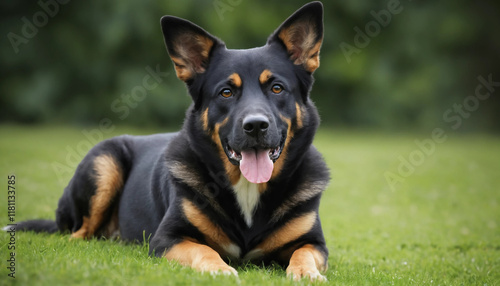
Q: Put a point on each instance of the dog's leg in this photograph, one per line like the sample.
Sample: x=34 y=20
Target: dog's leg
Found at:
x=307 y=261
x=109 y=181
x=200 y=257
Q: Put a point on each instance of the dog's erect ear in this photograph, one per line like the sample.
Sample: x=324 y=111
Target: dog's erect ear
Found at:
x=302 y=34
x=188 y=45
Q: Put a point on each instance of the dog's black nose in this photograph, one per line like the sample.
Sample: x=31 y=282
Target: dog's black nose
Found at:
x=255 y=125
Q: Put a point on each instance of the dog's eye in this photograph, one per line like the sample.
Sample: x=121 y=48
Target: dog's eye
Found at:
x=226 y=92
x=277 y=89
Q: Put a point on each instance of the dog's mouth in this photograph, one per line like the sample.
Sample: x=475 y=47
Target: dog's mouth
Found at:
x=256 y=164
x=236 y=157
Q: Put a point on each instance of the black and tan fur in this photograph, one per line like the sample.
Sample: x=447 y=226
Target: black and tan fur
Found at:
x=184 y=192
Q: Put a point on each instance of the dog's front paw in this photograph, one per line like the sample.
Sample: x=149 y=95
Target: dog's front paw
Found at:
x=302 y=271
x=217 y=269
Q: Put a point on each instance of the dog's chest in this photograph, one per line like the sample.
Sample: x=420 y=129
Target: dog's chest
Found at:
x=247 y=196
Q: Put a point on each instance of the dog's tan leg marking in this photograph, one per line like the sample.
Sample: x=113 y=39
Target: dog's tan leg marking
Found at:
x=109 y=181
x=306 y=262
x=291 y=231
x=82 y=232
x=214 y=235
x=199 y=257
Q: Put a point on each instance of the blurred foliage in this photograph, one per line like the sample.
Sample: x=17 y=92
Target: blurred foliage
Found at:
x=84 y=56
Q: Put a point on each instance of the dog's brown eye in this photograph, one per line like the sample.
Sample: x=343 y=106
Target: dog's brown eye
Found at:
x=226 y=92
x=277 y=88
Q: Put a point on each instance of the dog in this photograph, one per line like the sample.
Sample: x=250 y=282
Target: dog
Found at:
x=241 y=181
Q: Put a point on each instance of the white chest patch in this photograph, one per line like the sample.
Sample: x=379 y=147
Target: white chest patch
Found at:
x=247 y=196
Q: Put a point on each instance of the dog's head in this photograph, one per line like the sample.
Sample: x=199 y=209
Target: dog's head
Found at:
x=250 y=103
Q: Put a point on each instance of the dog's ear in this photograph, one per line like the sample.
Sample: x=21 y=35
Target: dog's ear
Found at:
x=188 y=45
x=302 y=34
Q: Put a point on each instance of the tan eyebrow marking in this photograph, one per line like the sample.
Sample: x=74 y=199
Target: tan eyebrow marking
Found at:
x=265 y=76
x=235 y=79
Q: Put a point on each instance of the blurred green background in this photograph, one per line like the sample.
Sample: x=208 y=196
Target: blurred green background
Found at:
x=77 y=62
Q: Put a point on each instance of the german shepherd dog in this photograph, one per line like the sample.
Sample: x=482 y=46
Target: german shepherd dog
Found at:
x=241 y=181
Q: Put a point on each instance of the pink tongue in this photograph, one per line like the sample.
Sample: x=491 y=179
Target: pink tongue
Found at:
x=256 y=166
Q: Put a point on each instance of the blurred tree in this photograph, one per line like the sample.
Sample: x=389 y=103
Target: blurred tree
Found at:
x=410 y=61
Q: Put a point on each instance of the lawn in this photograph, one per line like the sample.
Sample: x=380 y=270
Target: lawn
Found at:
x=438 y=223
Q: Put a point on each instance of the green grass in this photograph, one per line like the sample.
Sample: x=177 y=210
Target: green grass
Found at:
x=440 y=226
